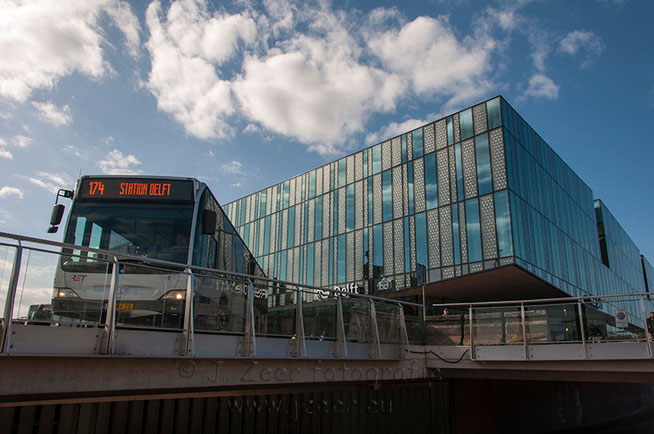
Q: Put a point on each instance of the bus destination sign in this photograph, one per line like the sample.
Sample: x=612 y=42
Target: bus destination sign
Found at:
x=136 y=188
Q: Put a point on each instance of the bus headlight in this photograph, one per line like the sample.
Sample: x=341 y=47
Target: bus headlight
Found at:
x=63 y=292
x=175 y=295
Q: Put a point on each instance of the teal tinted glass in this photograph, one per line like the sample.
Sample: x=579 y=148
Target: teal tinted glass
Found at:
x=431 y=189
x=416 y=137
x=465 y=117
x=410 y=186
x=455 y=234
x=302 y=251
x=304 y=187
x=376 y=159
x=331 y=261
x=366 y=254
x=342 y=172
x=318 y=219
x=306 y=223
x=493 y=113
x=266 y=236
x=291 y=227
x=365 y=163
x=243 y=210
x=331 y=176
x=370 y=203
x=421 y=239
x=459 y=171
x=450 y=131
x=310 y=253
x=312 y=184
x=503 y=222
x=378 y=246
x=286 y=194
x=473 y=231
x=341 y=259
x=387 y=196
x=349 y=207
x=335 y=214
x=404 y=148
x=483 y=164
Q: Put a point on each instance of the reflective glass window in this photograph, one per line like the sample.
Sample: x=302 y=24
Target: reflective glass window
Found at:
x=455 y=234
x=409 y=167
x=465 y=117
x=312 y=184
x=318 y=219
x=493 y=113
x=404 y=148
x=503 y=222
x=282 y=265
x=331 y=176
x=335 y=216
x=378 y=246
x=387 y=195
x=306 y=223
x=431 y=183
x=450 y=131
x=459 y=171
x=366 y=255
x=246 y=233
x=349 y=207
x=302 y=251
x=473 y=230
x=365 y=163
x=376 y=159
x=416 y=136
x=304 y=187
x=421 y=239
x=243 y=210
x=310 y=253
x=266 y=236
x=256 y=206
x=341 y=259
x=370 y=202
x=331 y=261
x=291 y=227
x=342 y=172
x=484 y=183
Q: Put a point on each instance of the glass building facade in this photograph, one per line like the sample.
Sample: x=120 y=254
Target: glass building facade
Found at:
x=475 y=191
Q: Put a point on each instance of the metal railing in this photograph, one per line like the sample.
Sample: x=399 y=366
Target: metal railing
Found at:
x=204 y=312
x=571 y=328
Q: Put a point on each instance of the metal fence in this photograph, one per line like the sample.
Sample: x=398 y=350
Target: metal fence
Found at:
x=137 y=306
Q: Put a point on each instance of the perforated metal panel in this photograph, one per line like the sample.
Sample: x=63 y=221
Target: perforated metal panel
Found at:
x=447 y=252
x=250 y=208
x=318 y=181
x=261 y=234
x=270 y=201
x=433 y=234
x=336 y=174
x=364 y=200
x=429 y=144
x=396 y=147
x=359 y=205
x=453 y=190
x=295 y=264
x=506 y=261
x=448 y=272
x=298 y=225
x=274 y=233
x=443 y=177
x=397 y=192
x=312 y=229
x=317 y=260
x=462 y=233
x=498 y=162
x=457 y=132
x=369 y=151
x=358 y=165
x=386 y=155
x=291 y=195
x=349 y=177
x=489 y=239
x=388 y=248
x=325 y=263
x=284 y=215
x=399 y=246
x=377 y=198
x=405 y=183
x=469 y=168
x=298 y=189
x=479 y=118
x=419 y=184
x=325 y=178
x=441 y=134
x=341 y=210
x=349 y=263
x=409 y=147
x=359 y=251
x=476 y=266
x=412 y=234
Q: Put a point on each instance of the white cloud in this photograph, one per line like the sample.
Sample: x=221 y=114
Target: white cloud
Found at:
x=74 y=150
x=395 y=128
x=233 y=168
x=251 y=129
x=6 y=192
x=21 y=141
x=587 y=44
x=236 y=185
x=50 y=113
x=187 y=49
x=116 y=163
x=6 y=115
x=541 y=86
x=51 y=181
x=3 y=152
x=48 y=39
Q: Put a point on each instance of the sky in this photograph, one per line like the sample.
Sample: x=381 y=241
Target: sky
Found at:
x=245 y=94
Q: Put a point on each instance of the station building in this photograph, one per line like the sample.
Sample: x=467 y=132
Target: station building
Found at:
x=474 y=206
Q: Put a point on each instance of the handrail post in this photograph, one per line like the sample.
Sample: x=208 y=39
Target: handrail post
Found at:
x=300 y=347
x=472 y=347
x=5 y=345
x=189 y=330
x=375 y=350
x=524 y=330
x=341 y=340
x=249 y=344
x=644 y=316
x=110 y=318
x=403 y=332
x=581 y=326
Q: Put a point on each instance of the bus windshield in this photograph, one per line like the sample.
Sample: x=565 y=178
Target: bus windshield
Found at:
x=159 y=231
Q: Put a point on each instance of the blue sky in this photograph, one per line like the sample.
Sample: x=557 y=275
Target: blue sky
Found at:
x=245 y=94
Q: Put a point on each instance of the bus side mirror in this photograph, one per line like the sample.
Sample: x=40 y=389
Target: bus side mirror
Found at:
x=209 y=219
x=55 y=218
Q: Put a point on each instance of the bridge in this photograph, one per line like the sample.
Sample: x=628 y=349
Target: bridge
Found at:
x=269 y=353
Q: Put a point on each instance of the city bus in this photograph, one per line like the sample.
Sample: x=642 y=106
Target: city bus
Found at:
x=167 y=218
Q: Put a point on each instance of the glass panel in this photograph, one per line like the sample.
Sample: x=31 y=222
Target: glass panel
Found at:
x=387 y=195
x=450 y=131
x=291 y=227
x=262 y=203
x=484 y=183
x=455 y=234
x=431 y=189
x=319 y=316
x=220 y=304
x=365 y=163
x=331 y=261
x=341 y=259
x=378 y=250
x=555 y=324
x=388 y=322
x=473 y=229
x=416 y=137
x=312 y=184
x=465 y=117
x=493 y=109
x=310 y=265
x=342 y=172
x=459 y=171
x=370 y=202
x=335 y=217
x=421 y=239
x=356 y=316
x=410 y=186
x=282 y=266
x=349 y=206
x=318 y=219
x=407 y=246
x=376 y=159
x=279 y=317
x=266 y=236
x=404 y=148
x=496 y=325
x=503 y=222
